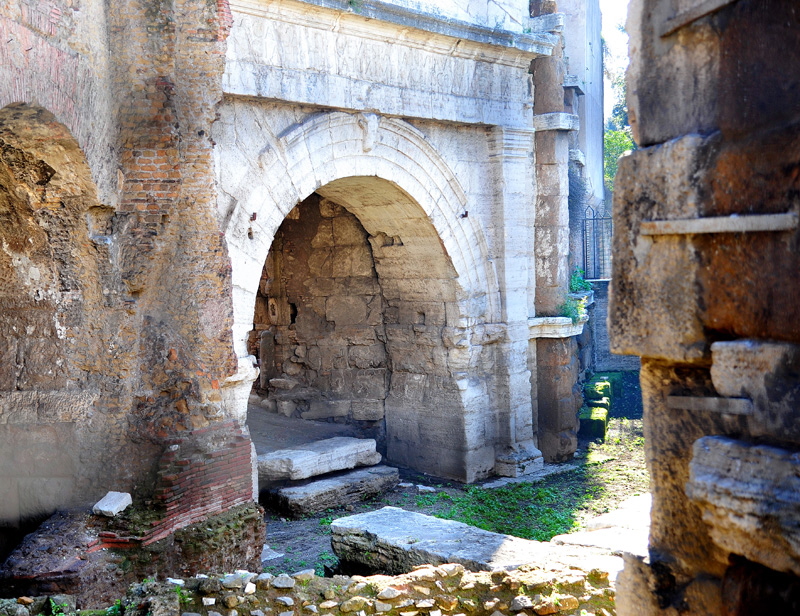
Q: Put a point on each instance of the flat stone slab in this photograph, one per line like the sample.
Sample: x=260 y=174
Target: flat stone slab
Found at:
x=318 y=458
x=626 y=529
x=632 y=513
x=616 y=541
x=342 y=489
x=394 y=541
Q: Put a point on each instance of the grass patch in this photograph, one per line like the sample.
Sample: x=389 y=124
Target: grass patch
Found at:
x=609 y=473
x=532 y=511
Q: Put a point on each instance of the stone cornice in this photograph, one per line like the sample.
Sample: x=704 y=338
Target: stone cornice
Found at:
x=451 y=37
x=554 y=327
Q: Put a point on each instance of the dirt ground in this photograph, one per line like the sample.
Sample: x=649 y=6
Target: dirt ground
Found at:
x=601 y=476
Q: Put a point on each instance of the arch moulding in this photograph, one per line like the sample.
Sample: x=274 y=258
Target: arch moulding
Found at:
x=329 y=147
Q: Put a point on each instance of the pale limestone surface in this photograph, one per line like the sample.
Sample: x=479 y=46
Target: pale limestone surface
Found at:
x=317 y=458
x=112 y=504
x=396 y=541
x=624 y=530
x=314 y=98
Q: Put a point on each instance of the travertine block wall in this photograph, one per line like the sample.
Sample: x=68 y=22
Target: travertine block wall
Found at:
x=469 y=233
x=706 y=219
x=321 y=299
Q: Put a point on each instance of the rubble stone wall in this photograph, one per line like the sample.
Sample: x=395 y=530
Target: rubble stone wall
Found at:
x=114 y=301
x=706 y=236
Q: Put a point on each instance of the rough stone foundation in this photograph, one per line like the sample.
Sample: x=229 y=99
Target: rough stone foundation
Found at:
x=95 y=559
x=426 y=591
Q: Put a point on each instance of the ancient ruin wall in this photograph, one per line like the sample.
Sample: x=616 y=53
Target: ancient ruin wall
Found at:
x=706 y=246
x=115 y=280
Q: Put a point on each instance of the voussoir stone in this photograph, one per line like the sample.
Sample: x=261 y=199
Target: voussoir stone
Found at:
x=317 y=458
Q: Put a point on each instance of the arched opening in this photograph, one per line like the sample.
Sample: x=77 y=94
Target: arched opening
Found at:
x=444 y=387
x=356 y=322
x=52 y=251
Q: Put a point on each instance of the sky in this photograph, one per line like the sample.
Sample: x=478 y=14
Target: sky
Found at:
x=614 y=13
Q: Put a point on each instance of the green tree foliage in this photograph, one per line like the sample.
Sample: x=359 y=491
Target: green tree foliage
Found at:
x=615 y=144
x=617 y=138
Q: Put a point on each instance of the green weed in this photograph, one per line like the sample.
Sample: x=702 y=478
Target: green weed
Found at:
x=577 y=282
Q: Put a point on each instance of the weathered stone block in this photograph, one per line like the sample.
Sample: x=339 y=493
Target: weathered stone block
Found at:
x=594 y=422
x=749 y=498
x=112 y=504
x=395 y=541
x=654 y=297
x=768 y=373
x=324 y=409
x=355 y=261
x=557 y=382
x=333 y=492
x=373 y=356
x=367 y=410
x=316 y=458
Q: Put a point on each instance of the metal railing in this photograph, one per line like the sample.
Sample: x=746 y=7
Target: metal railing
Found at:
x=597 y=232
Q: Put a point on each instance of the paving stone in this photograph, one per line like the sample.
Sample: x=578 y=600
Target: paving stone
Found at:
x=318 y=458
x=336 y=491
x=268 y=554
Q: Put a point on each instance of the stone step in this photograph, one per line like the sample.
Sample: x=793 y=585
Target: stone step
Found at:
x=394 y=541
x=339 y=490
x=317 y=458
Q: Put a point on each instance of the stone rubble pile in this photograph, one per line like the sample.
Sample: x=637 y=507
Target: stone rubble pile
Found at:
x=445 y=590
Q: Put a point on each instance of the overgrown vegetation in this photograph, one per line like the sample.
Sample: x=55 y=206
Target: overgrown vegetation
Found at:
x=573 y=308
x=531 y=511
x=578 y=282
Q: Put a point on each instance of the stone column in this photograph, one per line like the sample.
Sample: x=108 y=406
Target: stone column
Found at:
x=511 y=154
x=557 y=367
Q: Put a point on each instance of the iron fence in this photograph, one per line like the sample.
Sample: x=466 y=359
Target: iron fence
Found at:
x=597 y=231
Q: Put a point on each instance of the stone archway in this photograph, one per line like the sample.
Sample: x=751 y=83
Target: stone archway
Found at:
x=436 y=279
x=54 y=262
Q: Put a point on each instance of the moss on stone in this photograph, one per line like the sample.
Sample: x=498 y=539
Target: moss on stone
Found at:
x=594 y=422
